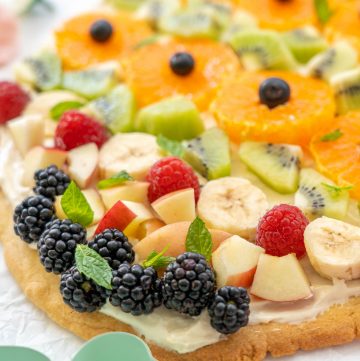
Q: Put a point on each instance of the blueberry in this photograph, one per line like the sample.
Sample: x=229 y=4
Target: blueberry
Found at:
x=101 y=31
x=274 y=92
x=182 y=63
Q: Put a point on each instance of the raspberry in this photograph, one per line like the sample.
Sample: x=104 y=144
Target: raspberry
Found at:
x=281 y=231
x=76 y=128
x=13 y=101
x=171 y=174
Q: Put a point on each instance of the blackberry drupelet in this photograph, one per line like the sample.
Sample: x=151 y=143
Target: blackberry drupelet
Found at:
x=58 y=243
x=31 y=216
x=188 y=284
x=229 y=309
x=114 y=246
x=136 y=290
x=81 y=293
x=51 y=182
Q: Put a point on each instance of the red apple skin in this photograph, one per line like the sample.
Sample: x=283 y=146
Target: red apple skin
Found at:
x=244 y=279
x=119 y=217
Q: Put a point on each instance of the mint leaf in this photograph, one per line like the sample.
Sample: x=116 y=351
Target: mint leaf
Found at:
x=336 y=190
x=323 y=11
x=331 y=137
x=171 y=147
x=158 y=260
x=59 y=109
x=75 y=206
x=198 y=239
x=115 y=180
x=93 y=266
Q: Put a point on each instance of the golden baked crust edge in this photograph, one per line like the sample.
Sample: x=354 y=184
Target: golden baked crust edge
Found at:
x=339 y=325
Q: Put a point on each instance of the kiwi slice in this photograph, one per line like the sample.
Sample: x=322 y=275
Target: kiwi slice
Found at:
x=176 y=118
x=92 y=83
x=209 y=154
x=277 y=165
x=116 y=109
x=304 y=43
x=347 y=90
x=241 y=20
x=42 y=72
x=319 y=196
x=125 y=4
x=262 y=49
x=339 y=57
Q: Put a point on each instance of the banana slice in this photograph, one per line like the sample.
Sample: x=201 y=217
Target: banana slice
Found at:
x=233 y=205
x=133 y=152
x=333 y=248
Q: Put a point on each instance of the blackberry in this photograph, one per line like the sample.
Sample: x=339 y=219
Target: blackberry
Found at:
x=57 y=244
x=229 y=309
x=136 y=290
x=114 y=246
x=188 y=284
x=31 y=216
x=51 y=182
x=81 y=293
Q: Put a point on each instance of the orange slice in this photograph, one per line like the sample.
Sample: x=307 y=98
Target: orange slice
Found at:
x=78 y=50
x=237 y=109
x=148 y=72
x=339 y=157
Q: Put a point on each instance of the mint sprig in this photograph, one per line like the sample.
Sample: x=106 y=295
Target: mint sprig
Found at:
x=171 y=147
x=115 y=180
x=59 y=109
x=323 y=11
x=76 y=207
x=93 y=266
x=336 y=190
x=158 y=260
x=331 y=137
x=198 y=239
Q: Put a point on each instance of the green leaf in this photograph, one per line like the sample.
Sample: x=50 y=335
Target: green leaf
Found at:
x=198 y=239
x=171 y=147
x=75 y=206
x=59 y=109
x=336 y=190
x=93 y=266
x=115 y=180
x=323 y=10
x=331 y=137
x=158 y=260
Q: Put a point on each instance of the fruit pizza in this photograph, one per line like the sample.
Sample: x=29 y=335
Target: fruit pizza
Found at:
x=188 y=171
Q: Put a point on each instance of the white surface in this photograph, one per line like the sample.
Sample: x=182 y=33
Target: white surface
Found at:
x=20 y=322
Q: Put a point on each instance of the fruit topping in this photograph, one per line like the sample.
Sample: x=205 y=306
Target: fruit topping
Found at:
x=101 y=31
x=58 y=243
x=13 y=101
x=136 y=290
x=274 y=92
x=277 y=165
x=281 y=231
x=182 y=63
x=171 y=174
x=114 y=247
x=75 y=129
x=31 y=216
x=229 y=310
x=188 y=284
x=51 y=182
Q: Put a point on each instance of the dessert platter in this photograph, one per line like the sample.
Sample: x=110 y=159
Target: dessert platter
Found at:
x=188 y=171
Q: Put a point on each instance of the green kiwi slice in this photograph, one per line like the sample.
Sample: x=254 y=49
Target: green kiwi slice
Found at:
x=319 y=196
x=125 y=4
x=277 y=165
x=209 y=154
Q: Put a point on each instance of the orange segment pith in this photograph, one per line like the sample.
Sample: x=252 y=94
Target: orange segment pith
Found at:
x=237 y=109
x=78 y=50
x=148 y=72
x=339 y=159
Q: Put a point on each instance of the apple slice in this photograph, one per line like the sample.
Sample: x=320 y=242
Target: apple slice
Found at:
x=38 y=158
x=27 y=132
x=280 y=279
x=125 y=216
x=148 y=227
x=83 y=164
x=176 y=207
x=235 y=262
x=173 y=236
x=94 y=200
x=129 y=191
